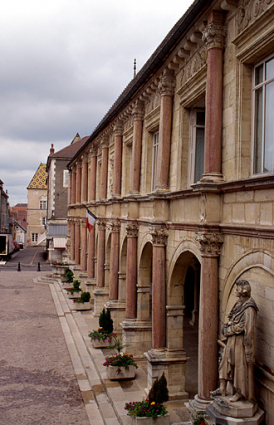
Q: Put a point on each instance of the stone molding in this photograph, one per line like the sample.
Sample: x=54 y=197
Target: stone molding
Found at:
x=210 y=243
x=167 y=84
x=132 y=230
x=159 y=236
x=214 y=35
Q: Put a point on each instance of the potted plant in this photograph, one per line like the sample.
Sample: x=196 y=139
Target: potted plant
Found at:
x=199 y=419
x=59 y=267
x=152 y=410
x=82 y=303
x=68 y=278
x=121 y=365
x=102 y=337
x=75 y=290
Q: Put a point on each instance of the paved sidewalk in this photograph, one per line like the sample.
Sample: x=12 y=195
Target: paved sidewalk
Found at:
x=104 y=400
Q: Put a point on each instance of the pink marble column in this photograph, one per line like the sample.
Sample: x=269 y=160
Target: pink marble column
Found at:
x=138 y=113
x=159 y=237
x=78 y=183
x=73 y=187
x=210 y=245
x=72 y=240
x=131 y=272
x=92 y=177
x=114 y=262
x=117 y=172
x=91 y=254
x=85 y=181
x=101 y=255
x=214 y=35
x=104 y=169
x=83 y=259
x=166 y=86
x=77 y=243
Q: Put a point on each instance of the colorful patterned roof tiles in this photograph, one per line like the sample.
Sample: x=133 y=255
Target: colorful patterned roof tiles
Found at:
x=39 y=180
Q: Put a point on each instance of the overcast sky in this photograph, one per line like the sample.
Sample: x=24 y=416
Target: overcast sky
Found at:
x=63 y=64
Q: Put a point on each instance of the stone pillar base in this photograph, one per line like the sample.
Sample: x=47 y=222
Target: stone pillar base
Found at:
x=218 y=419
x=100 y=298
x=137 y=335
x=83 y=275
x=90 y=287
x=172 y=363
x=117 y=312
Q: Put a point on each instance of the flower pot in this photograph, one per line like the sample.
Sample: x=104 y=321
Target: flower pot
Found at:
x=142 y=420
x=82 y=306
x=96 y=343
x=73 y=295
x=66 y=285
x=119 y=372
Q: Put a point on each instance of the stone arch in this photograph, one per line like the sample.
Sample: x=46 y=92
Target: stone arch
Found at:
x=107 y=257
x=122 y=270
x=144 y=284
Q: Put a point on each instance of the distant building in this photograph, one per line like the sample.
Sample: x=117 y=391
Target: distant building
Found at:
x=19 y=214
x=4 y=210
x=37 y=207
x=19 y=234
x=57 y=197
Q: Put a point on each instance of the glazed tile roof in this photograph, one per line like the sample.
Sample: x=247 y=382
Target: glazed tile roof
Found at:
x=39 y=180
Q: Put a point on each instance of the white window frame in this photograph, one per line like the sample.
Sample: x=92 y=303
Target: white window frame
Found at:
x=44 y=221
x=43 y=205
x=193 y=142
x=34 y=237
x=155 y=145
x=65 y=178
x=255 y=88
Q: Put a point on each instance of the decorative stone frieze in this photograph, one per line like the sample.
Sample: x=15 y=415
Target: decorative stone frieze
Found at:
x=138 y=110
x=167 y=83
x=250 y=11
x=159 y=236
x=214 y=35
x=132 y=230
x=153 y=103
x=194 y=65
x=210 y=243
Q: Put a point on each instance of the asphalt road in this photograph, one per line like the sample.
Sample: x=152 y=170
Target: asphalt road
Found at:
x=37 y=380
x=28 y=258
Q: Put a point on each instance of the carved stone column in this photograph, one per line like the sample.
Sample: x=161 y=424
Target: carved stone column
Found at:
x=91 y=254
x=92 y=176
x=104 y=169
x=214 y=35
x=85 y=180
x=72 y=240
x=73 y=187
x=83 y=259
x=78 y=183
x=77 y=242
x=159 y=237
x=114 y=262
x=210 y=246
x=166 y=86
x=138 y=113
x=117 y=176
x=131 y=271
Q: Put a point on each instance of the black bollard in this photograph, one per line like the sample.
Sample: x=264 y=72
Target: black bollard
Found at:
x=38 y=267
x=18 y=267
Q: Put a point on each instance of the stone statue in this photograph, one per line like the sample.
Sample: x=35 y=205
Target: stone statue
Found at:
x=236 y=372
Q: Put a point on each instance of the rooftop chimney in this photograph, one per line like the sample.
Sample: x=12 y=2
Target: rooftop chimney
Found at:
x=51 y=152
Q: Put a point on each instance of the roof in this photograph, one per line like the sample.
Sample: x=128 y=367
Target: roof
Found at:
x=69 y=151
x=154 y=62
x=39 y=180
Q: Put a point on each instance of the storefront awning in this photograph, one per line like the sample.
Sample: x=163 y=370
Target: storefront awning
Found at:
x=59 y=242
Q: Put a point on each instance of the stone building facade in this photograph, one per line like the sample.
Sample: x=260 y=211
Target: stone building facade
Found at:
x=37 y=207
x=180 y=175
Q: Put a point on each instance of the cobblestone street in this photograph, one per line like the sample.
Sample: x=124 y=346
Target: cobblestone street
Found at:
x=37 y=381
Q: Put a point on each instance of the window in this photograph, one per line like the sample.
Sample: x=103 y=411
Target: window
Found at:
x=197 y=120
x=155 y=143
x=263 y=131
x=65 y=178
x=43 y=205
x=44 y=221
x=34 y=237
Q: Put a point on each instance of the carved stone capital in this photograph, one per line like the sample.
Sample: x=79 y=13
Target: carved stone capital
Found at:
x=214 y=35
x=93 y=151
x=115 y=227
x=138 y=110
x=101 y=225
x=159 y=236
x=167 y=84
x=118 y=128
x=132 y=230
x=105 y=142
x=210 y=243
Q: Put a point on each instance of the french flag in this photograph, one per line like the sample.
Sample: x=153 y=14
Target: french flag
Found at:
x=90 y=220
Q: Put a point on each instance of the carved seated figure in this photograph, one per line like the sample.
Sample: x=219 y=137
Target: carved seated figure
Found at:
x=236 y=371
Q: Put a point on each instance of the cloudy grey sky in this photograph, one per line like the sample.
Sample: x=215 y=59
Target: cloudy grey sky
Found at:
x=63 y=64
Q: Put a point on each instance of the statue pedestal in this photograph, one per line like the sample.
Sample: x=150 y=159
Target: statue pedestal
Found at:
x=219 y=418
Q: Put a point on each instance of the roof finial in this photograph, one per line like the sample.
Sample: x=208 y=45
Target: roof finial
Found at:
x=134 y=69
